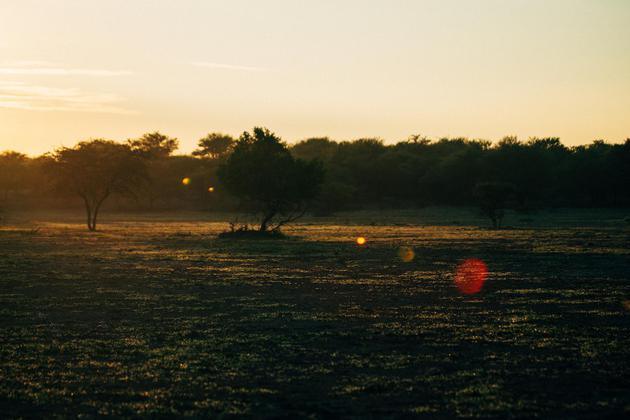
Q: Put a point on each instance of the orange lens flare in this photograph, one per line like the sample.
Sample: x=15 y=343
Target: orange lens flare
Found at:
x=406 y=253
x=361 y=240
x=470 y=276
x=186 y=181
x=210 y=189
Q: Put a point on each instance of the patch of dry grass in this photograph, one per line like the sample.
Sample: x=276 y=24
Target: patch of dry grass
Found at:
x=162 y=318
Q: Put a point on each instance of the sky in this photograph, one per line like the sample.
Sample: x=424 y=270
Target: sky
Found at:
x=72 y=70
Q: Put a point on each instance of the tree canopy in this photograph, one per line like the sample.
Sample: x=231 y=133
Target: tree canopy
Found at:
x=361 y=174
x=214 y=145
x=154 y=145
x=96 y=169
x=13 y=168
x=271 y=182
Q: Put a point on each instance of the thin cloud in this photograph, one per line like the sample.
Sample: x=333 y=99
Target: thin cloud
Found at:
x=29 y=63
x=57 y=71
x=227 y=66
x=19 y=95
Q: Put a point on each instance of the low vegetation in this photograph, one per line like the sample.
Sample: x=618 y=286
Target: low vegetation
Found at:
x=357 y=175
x=160 y=318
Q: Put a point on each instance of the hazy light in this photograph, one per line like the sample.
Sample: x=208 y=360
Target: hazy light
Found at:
x=385 y=88
x=186 y=181
x=62 y=72
x=227 y=66
x=470 y=276
x=626 y=305
x=406 y=253
x=361 y=240
x=210 y=189
x=34 y=97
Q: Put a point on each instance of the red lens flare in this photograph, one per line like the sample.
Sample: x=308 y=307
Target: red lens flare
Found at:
x=470 y=276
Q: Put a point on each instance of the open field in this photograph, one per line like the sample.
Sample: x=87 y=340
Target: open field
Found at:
x=156 y=316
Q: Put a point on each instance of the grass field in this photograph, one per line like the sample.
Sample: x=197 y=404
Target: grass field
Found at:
x=155 y=316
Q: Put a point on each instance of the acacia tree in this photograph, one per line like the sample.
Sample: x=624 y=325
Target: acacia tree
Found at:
x=156 y=150
x=493 y=198
x=262 y=172
x=96 y=169
x=12 y=174
x=154 y=145
x=214 y=145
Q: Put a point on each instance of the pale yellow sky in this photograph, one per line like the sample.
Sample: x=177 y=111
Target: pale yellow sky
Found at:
x=75 y=69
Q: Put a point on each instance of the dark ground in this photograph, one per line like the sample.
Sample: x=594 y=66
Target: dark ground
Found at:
x=162 y=318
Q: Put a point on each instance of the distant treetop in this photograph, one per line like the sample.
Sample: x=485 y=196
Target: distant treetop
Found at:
x=154 y=145
x=214 y=146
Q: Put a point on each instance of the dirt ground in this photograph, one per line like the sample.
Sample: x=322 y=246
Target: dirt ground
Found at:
x=155 y=316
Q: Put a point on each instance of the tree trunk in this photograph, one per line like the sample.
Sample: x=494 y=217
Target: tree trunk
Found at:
x=88 y=210
x=94 y=215
x=266 y=219
x=92 y=207
x=97 y=207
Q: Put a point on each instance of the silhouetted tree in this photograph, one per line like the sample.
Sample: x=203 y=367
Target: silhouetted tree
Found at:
x=418 y=139
x=321 y=148
x=535 y=168
x=493 y=198
x=356 y=163
x=156 y=150
x=366 y=173
x=13 y=169
x=593 y=172
x=154 y=145
x=261 y=171
x=214 y=145
x=620 y=165
x=172 y=193
x=454 y=168
x=96 y=169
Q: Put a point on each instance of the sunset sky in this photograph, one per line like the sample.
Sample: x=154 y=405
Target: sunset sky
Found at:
x=72 y=70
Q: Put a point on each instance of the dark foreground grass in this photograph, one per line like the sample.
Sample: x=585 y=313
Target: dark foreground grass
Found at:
x=161 y=319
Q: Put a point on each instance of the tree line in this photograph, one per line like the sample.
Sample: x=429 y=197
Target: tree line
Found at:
x=259 y=172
